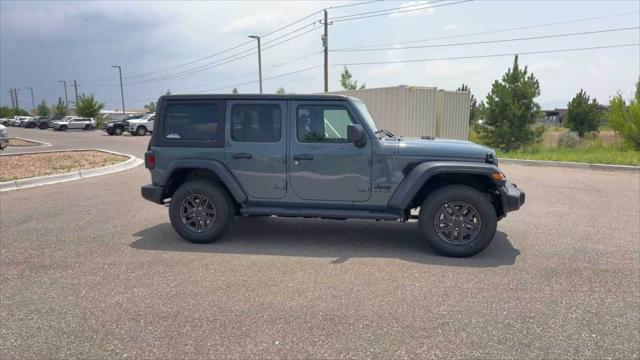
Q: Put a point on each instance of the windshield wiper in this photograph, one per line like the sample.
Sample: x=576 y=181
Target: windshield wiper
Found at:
x=386 y=132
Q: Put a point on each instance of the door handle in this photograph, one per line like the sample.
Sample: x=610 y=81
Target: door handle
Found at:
x=242 y=156
x=306 y=157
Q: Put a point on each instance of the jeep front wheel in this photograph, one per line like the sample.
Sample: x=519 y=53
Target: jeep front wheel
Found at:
x=201 y=211
x=458 y=220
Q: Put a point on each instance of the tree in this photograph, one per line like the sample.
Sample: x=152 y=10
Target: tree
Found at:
x=6 y=112
x=43 y=109
x=150 y=107
x=347 y=82
x=60 y=110
x=280 y=90
x=510 y=110
x=582 y=114
x=625 y=119
x=235 y=91
x=168 y=92
x=473 y=108
x=88 y=106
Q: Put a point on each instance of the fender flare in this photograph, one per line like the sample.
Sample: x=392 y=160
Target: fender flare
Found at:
x=218 y=168
x=421 y=173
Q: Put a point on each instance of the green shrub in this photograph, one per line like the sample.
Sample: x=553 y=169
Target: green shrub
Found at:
x=569 y=140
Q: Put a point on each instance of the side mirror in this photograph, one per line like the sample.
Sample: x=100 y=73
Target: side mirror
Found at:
x=356 y=135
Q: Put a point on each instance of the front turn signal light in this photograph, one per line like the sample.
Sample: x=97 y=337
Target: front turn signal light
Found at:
x=499 y=176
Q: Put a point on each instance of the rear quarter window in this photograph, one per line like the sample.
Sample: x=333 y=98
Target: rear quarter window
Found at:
x=192 y=122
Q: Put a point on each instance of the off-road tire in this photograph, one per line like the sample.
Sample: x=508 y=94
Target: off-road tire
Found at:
x=479 y=201
x=223 y=204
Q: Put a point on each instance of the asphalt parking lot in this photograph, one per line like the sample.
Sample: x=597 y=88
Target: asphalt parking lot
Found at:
x=89 y=269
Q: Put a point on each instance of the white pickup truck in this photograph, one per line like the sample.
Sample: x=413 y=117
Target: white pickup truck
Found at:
x=142 y=126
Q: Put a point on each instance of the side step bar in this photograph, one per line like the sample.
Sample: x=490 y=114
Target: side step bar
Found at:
x=320 y=213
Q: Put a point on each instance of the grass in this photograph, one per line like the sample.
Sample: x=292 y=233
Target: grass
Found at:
x=604 y=147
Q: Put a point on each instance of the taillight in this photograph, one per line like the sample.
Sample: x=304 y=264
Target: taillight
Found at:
x=149 y=160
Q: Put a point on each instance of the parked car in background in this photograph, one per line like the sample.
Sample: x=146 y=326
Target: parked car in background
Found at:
x=119 y=125
x=17 y=119
x=74 y=122
x=4 y=121
x=45 y=123
x=33 y=122
x=4 y=137
x=142 y=126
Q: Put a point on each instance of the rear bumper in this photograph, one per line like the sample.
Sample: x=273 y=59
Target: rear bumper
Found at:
x=512 y=197
x=153 y=193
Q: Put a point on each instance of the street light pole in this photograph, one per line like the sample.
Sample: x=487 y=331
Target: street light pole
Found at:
x=121 y=87
x=66 y=100
x=259 y=60
x=33 y=102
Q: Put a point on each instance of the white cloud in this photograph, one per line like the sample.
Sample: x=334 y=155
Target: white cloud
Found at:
x=545 y=65
x=255 y=22
x=424 y=6
x=450 y=27
x=443 y=68
x=390 y=71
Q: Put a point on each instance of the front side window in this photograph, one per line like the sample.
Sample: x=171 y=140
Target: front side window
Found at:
x=256 y=123
x=197 y=122
x=322 y=123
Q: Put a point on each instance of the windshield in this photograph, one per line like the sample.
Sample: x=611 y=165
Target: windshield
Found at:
x=147 y=116
x=362 y=108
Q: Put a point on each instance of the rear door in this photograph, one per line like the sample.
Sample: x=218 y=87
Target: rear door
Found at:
x=255 y=149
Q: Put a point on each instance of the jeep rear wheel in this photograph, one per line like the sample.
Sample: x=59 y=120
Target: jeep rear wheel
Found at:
x=201 y=211
x=458 y=220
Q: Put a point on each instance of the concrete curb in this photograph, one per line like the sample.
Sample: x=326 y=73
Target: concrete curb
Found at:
x=75 y=175
x=41 y=143
x=572 y=165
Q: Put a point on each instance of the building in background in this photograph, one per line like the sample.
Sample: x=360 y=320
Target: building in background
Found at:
x=415 y=111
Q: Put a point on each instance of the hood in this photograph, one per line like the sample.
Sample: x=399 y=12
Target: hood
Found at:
x=444 y=148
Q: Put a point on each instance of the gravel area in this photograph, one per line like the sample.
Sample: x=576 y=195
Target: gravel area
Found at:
x=21 y=166
x=22 y=142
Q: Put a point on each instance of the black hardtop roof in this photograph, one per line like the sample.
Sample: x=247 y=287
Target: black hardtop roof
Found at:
x=254 y=97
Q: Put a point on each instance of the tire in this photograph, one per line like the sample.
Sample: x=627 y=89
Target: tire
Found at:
x=87 y=127
x=32 y=125
x=117 y=131
x=63 y=128
x=223 y=206
x=43 y=126
x=141 y=131
x=478 y=215
x=110 y=132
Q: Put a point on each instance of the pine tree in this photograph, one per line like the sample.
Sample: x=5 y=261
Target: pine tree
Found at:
x=511 y=111
x=60 y=110
x=582 y=114
x=347 y=82
x=43 y=109
x=88 y=106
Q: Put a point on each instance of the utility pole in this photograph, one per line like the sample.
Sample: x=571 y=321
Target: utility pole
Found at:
x=15 y=95
x=121 y=87
x=13 y=101
x=66 y=100
x=75 y=87
x=33 y=102
x=325 y=45
x=259 y=61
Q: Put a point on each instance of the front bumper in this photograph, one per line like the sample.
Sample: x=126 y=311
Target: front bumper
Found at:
x=153 y=193
x=512 y=197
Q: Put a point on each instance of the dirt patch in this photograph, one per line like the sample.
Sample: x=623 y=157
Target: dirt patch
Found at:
x=552 y=137
x=22 y=166
x=21 y=142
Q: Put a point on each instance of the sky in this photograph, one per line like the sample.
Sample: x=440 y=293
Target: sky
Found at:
x=181 y=47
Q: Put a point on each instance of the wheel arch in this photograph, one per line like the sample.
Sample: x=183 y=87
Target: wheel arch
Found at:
x=211 y=170
x=424 y=178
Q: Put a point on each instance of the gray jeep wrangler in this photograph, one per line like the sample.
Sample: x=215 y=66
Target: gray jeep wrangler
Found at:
x=214 y=157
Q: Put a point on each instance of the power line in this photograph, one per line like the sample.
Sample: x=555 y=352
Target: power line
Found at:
x=498 y=30
x=422 y=5
x=491 y=41
x=400 y=11
x=488 y=55
x=267 y=78
x=350 y=5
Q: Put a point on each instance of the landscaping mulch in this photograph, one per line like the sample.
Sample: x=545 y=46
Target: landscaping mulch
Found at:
x=22 y=166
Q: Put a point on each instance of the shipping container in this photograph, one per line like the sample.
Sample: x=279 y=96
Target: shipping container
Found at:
x=414 y=111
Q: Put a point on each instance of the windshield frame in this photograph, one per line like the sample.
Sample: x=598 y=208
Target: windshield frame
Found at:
x=366 y=117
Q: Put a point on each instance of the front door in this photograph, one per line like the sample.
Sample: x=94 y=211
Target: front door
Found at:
x=256 y=147
x=323 y=165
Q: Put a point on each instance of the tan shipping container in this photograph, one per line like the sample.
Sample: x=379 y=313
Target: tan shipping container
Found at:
x=412 y=111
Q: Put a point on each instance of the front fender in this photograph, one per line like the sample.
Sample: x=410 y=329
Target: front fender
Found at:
x=421 y=173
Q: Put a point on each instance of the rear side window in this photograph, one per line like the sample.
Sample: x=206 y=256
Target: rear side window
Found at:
x=256 y=123
x=196 y=122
